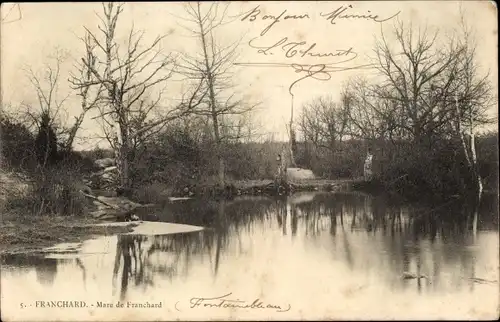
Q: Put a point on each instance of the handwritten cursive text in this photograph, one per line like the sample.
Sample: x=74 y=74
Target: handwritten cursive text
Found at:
x=225 y=302
x=300 y=49
x=255 y=13
x=308 y=59
x=338 y=13
x=342 y=12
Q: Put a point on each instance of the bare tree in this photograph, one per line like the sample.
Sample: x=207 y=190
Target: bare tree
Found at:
x=323 y=122
x=212 y=66
x=46 y=82
x=89 y=98
x=130 y=84
x=46 y=116
x=409 y=75
x=434 y=88
x=419 y=80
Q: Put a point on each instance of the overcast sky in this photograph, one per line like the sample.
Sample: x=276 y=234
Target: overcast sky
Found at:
x=31 y=31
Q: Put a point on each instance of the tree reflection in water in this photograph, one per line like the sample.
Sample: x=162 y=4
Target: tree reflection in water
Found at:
x=410 y=234
x=366 y=234
x=409 y=238
x=46 y=269
x=136 y=255
x=127 y=249
x=140 y=258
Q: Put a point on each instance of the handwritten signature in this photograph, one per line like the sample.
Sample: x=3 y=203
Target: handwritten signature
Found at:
x=225 y=302
x=293 y=50
x=300 y=49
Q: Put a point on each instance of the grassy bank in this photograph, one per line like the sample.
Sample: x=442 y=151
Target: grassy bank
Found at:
x=25 y=233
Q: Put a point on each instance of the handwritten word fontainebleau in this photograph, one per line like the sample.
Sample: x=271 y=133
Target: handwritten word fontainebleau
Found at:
x=342 y=12
x=226 y=302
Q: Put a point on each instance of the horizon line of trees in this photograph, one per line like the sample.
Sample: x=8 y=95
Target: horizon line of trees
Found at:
x=420 y=117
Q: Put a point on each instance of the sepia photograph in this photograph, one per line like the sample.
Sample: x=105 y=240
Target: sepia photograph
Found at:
x=249 y=160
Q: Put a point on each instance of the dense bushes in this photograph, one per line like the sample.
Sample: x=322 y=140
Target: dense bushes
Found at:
x=345 y=161
x=53 y=176
x=16 y=144
x=487 y=151
x=415 y=171
x=252 y=160
x=54 y=192
x=179 y=158
x=21 y=150
x=407 y=168
x=184 y=153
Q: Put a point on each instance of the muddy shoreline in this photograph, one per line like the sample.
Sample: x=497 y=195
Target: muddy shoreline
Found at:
x=28 y=235
x=23 y=233
x=44 y=234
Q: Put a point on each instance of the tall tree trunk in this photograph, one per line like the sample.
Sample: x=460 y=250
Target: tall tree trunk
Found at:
x=293 y=146
x=475 y=165
x=471 y=156
x=120 y=137
x=123 y=157
x=218 y=141
x=118 y=154
x=213 y=105
x=292 y=138
x=125 y=167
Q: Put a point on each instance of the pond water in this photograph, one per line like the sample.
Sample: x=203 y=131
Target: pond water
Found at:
x=309 y=256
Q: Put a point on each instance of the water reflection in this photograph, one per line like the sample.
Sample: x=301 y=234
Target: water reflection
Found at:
x=370 y=242
x=409 y=239
x=45 y=268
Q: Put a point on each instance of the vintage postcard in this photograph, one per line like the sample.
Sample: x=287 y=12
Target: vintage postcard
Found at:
x=249 y=160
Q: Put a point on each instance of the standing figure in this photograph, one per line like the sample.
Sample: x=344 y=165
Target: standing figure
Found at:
x=280 y=167
x=368 y=173
x=281 y=175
